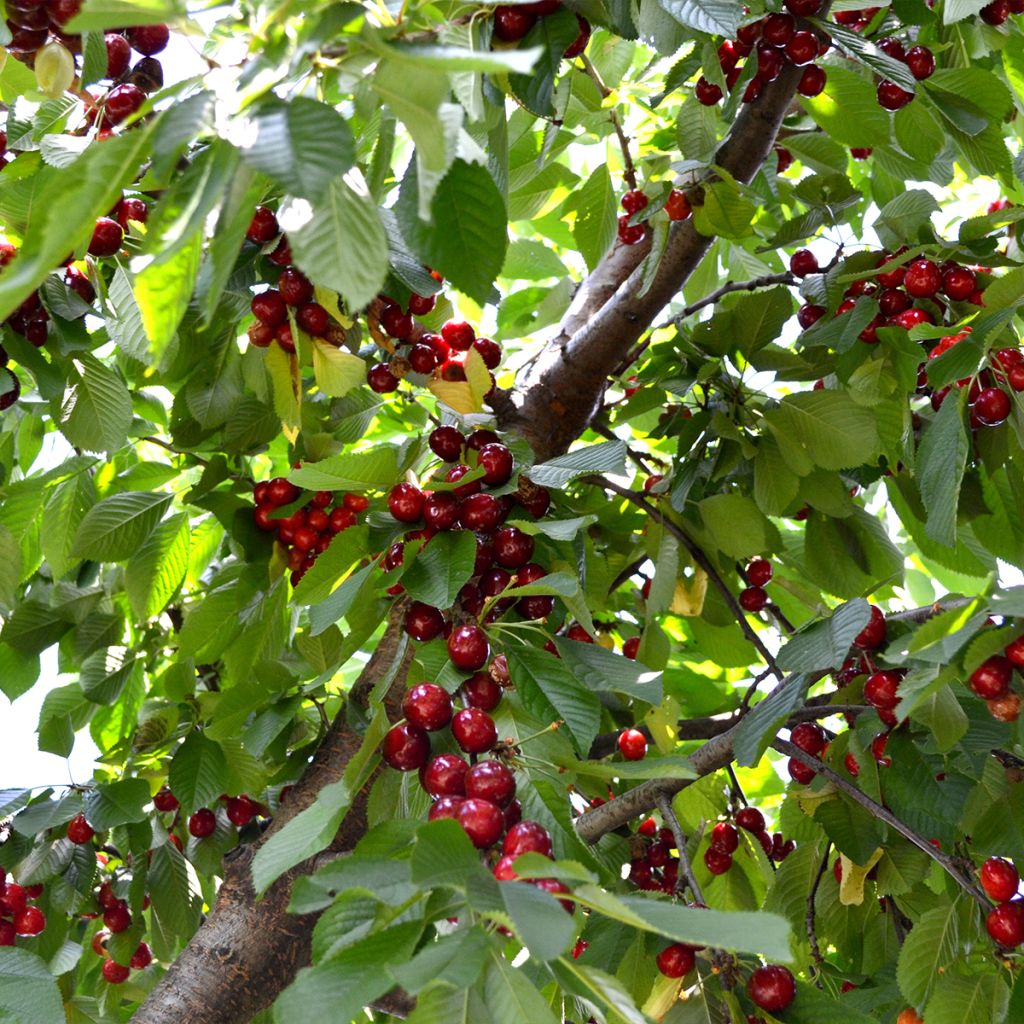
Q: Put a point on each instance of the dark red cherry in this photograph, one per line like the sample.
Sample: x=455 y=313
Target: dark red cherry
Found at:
x=491 y=780
x=445 y=775
x=468 y=647
x=423 y=621
x=406 y=747
x=446 y=443
x=482 y=821
x=771 y=988
x=474 y=730
x=527 y=837
x=428 y=706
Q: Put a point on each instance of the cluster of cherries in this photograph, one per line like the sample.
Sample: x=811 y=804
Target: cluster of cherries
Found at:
x=753 y=597
x=307 y=531
x=117 y=917
x=1004 y=922
x=294 y=292
x=993 y=678
x=776 y=40
x=677 y=207
x=513 y=23
x=18 y=916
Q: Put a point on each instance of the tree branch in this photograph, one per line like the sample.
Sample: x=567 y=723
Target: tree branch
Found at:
x=812 y=935
x=686 y=875
x=766 y=281
x=615 y=306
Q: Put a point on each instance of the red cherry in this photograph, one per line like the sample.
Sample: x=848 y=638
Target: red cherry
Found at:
x=489 y=351
x=423 y=622
x=165 y=800
x=996 y=12
x=802 y=263
x=717 y=861
x=263 y=226
x=893 y=47
x=802 y=48
x=724 y=837
x=630 y=234
x=481 y=512
x=634 y=201
x=445 y=807
x=117 y=918
x=800 y=772
x=512 y=548
x=527 y=837
x=802 y=9
x=269 y=308
x=295 y=287
x=241 y=810
x=677 y=206
x=992 y=406
x=750 y=819
x=632 y=744
x=808 y=315
x=141 y=958
x=395 y=323
x=428 y=706
x=512 y=23
x=771 y=988
x=503 y=870
x=1006 y=708
x=313 y=319
x=911 y=318
x=759 y=572
x=119 y=54
x=677 y=960
x=999 y=879
x=107 y=237
x=281 y=491
x=381 y=379
x=201 y=824
x=497 y=461
x=753 y=599
x=851 y=765
x=30 y=921
x=422 y=359
x=991 y=679
x=707 y=93
x=881 y=689
x=923 y=278
x=474 y=730
x=149 y=39
x=445 y=775
x=809 y=737
x=872 y=636
x=447 y=443
x=458 y=335
x=921 y=62
x=491 y=780
x=79 y=830
x=891 y=96
x=778 y=29
x=482 y=821
x=892 y=301
x=878 y=745
x=114 y=972
x=579 y=44
x=1005 y=924
x=812 y=81
x=405 y=502
x=631 y=648
x=8 y=933
x=468 y=647
x=481 y=691
x=406 y=747
x=122 y=101
x=441 y=510
x=1014 y=650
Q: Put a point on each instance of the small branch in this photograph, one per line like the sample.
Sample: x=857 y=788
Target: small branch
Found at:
x=628 y=169
x=629 y=571
x=177 y=451
x=884 y=814
x=699 y=558
x=686 y=875
x=809 y=917
x=766 y=281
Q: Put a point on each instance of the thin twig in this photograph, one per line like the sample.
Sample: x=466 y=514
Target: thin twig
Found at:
x=884 y=814
x=700 y=558
x=686 y=875
x=809 y=917
x=766 y=281
x=738 y=796
x=177 y=451
x=628 y=168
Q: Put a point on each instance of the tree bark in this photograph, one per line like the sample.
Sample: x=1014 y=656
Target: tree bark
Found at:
x=248 y=950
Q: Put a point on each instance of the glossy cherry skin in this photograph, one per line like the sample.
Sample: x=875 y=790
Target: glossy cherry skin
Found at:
x=30 y=921
x=802 y=263
x=482 y=821
x=468 y=647
x=632 y=744
x=512 y=548
x=759 y=572
x=677 y=960
x=405 y=502
x=771 y=988
x=445 y=775
x=481 y=691
x=491 y=780
x=800 y=772
x=881 y=689
x=999 y=879
x=724 y=837
x=497 y=461
x=115 y=973
x=263 y=226
x=107 y=237
x=79 y=830
x=992 y=406
x=992 y=677
x=750 y=819
x=423 y=622
x=406 y=747
x=481 y=512
x=717 y=861
x=441 y=510
x=141 y=958
x=446 y=443
x=149 y=39
x=891 y=96
x=165 y=800
x=428 y=706
x=474 y=730
x=1015 y=651
x=117 y=918
x=872 y=636
x=445 y=807
x=201 y=824
x=753 y=599
x=1005 y=924
x=923 y=278
x=527 y=837
x=119 y=54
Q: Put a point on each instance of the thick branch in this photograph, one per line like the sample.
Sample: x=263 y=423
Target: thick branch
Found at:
x=249 y=949
x=614 y=308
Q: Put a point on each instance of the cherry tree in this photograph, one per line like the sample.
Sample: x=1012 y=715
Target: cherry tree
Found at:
x=524 y=502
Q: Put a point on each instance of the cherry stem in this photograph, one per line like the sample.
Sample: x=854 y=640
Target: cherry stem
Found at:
x=553 y=727
x=819 y=960
x=685 y=875
x=884 y=814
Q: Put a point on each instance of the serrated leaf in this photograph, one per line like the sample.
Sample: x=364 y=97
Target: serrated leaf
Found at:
x=28 y=991
x=932 y=946
x=606 y=457
x=441 y=569
x=825 y=644
x=759 y=727
x=116 y=803
x=594 y=226
x=156 y=571
x=716 y=17
x=827 y=428
x=941 y=460
x=337 y=371
x=163 y=291
x=198 y=772
x=511 y=996
x=96 y=410
x=373 y=469
x=116 y=527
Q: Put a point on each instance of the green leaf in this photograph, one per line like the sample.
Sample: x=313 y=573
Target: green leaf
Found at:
x=511 y=997
x=550 y=691
x=595 y=223
x=540 y=920
x=154 y=573
x=198 y=772
x=812 y=1006
x=337 y=371
x=759 y=727
x=852 y=828
x=176 y=905
x=942 y=457
x=868 y=53
x=725 y=212
x=302 y=144
x=716 y=17
x=466 y=236
x=605 y=457
x=443 y=855
x=105 y=673
x=551 y=36
x=932 y=946
x=605 y=671
x=826 y=428
x=105 y=14
x=68 y=504
x=736 y=524
x=457 y=58
x=28 y=992
x=826 y=643
x=116 y=803
x=441 y=568
x=370 y=470
x=758 y=318
x=96 y=410
x=323 y=236
x=115 y=528
x=346 y=549
x=902 y=218
x=163 y=291
x=958 y=998
x=33 y=627
x=848 y=110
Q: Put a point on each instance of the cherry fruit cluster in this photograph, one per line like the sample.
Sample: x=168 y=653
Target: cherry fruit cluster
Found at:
x=512 y=23
x=18 y=914
x=677 y=207
x=117 y=917
x=754 y=597
x=992 y=680
x=307 y=531
x=1005 y=922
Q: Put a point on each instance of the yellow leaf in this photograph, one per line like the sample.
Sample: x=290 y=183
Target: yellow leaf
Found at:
x=336 y=370
x=663 y=722
x=851 y=889
x=688 y=600
x=466 y=396
x=664 y=995
x=329 y=300
x=287 y=383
